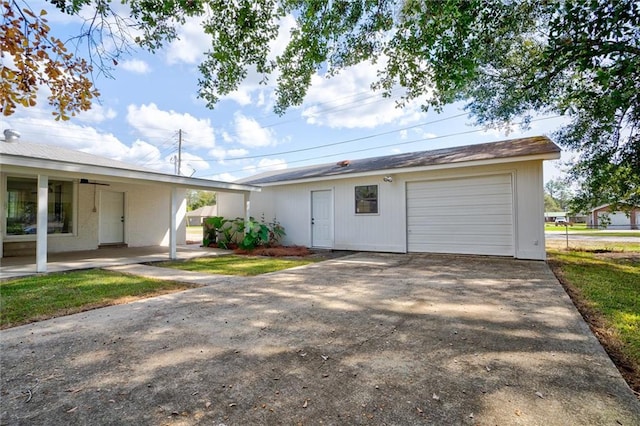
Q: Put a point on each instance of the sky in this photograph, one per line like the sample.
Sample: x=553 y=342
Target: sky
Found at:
x=150 y=102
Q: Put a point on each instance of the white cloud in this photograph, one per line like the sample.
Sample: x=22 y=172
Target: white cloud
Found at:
x=226 y=136
x=192 y=164
x=159 y=125
x=249 y=133
x=192 y=41
x=239 y=152
x=136 y=66
x=343 y=101
x=223 y=177
x=221 y=154
x=84 y=138
x=266 y=164
x=97 y=114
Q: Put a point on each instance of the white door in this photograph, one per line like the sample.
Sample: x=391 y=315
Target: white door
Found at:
x=321 y=219
x=465 y=216
x=111 y=217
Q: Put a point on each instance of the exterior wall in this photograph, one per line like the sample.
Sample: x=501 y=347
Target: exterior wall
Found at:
x=386 y=231
x=622 y=221
x=147 y=217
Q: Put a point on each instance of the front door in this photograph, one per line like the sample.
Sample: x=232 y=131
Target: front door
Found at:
x=321 y=219
x=111 y=217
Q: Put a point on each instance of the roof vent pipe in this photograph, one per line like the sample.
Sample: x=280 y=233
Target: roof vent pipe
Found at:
x=11 y=135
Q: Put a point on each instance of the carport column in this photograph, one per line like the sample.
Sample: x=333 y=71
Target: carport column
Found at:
x=173 y=224
x=42 y=223
x=247 y=211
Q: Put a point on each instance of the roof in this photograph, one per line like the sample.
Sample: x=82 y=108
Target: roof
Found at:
x=204 y=211
x=49 y=157
x=512 y=150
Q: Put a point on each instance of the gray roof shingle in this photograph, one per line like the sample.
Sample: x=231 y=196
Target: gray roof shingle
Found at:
x=531 y=146
x=56 y=153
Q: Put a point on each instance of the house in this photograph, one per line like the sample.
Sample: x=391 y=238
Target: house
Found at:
x=56 y=200
x=552 y=216
x=573 y=218
x=195 y=217
x=603 y=217
x=482 y=199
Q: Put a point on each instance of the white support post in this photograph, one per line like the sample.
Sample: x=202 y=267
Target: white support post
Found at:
x=42 y=223
x=173 y=224
x=247 y=211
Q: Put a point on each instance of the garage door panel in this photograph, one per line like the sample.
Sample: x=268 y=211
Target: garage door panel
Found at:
x=466 y=216
x=461 y=192
x=479 y=248
x=493 y=212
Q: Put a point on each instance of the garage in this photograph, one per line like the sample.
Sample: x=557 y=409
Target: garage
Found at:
x=472 y=215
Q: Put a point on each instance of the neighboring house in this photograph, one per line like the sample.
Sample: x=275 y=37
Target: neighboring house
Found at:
x=195 y=217
x=552 y=216
x=575 y=218
x=603 y=217
x=479 y=199
x=55 y=200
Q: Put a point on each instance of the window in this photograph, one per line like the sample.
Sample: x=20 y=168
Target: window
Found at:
x=366 y=199
x=22 y=206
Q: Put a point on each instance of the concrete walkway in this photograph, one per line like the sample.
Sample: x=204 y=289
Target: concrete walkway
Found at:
x=363 y=339
x=12 y=267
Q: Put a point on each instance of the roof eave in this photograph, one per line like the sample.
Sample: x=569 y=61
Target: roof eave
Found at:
x=113 y=172
x=378 y=172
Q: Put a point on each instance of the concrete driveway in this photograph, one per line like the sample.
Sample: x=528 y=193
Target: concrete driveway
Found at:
x=364 y=339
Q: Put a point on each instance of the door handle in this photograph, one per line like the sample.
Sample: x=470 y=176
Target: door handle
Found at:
x=313 y=221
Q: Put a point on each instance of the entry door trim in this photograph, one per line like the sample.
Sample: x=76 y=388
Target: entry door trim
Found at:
x=322 y=218
x=111 y=222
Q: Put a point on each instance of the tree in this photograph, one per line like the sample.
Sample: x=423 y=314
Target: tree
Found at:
x=39 y=59
x=550 y=205
x=559 y=192
x=197 y=199
x=507 y=60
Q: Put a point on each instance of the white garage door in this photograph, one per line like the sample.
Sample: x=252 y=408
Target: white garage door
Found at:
x=619 y=220
x=467 y=216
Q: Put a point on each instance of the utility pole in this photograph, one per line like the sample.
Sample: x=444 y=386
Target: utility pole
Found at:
x=179 y=172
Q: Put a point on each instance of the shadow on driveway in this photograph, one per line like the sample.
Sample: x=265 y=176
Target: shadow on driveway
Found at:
x=364 y=339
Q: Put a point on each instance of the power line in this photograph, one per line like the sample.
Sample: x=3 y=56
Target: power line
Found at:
x=394 y=144
x=375 y=135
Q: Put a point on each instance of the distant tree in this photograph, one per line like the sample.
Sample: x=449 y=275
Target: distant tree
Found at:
x=197 y=199
x=558 y=190
x=551 y=205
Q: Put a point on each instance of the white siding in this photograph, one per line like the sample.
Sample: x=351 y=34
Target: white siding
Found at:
x=469 y=216
x=387 y=230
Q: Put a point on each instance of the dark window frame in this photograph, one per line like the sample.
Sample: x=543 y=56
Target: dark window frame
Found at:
x=366 y=199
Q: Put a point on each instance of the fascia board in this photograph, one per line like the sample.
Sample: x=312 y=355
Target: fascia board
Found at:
x=124 y=174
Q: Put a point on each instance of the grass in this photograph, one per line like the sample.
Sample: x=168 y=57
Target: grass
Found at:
x=582 y=229
x=34 y=298
x=236 y=265
x=603 y=279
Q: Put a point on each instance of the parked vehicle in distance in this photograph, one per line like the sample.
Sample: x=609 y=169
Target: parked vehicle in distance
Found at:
x=561 y=221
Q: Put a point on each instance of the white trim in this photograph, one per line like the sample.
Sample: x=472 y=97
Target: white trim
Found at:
x=42 y=223
x=384 y=172
x=331 y=216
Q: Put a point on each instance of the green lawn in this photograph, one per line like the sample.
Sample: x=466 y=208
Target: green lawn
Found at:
x=28 y=299
x=606 y=288
x=236 y=265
